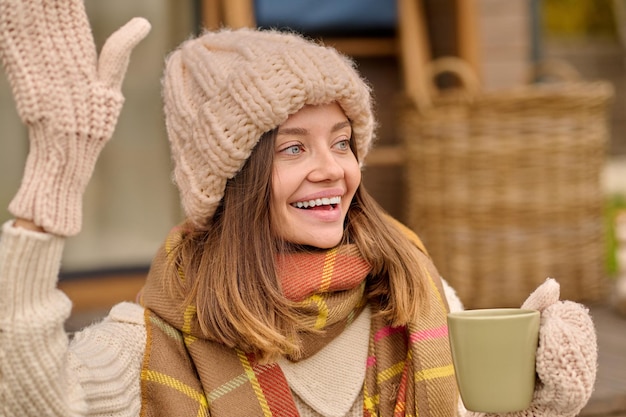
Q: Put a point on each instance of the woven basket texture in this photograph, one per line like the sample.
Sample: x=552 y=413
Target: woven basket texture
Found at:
x=504 y=188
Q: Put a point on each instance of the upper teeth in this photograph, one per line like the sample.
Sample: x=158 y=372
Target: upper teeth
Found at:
x=317 y=202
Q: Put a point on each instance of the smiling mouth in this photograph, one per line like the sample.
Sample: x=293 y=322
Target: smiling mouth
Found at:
x=328 y=203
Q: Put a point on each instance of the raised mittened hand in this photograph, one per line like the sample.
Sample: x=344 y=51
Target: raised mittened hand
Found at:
x=68 y=97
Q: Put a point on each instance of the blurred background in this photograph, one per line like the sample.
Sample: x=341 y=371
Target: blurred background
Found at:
x=130 y=203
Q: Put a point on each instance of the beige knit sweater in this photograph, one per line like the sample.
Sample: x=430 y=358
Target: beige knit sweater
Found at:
x=97 y=373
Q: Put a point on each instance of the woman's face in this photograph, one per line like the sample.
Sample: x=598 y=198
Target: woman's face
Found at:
x=314 y=176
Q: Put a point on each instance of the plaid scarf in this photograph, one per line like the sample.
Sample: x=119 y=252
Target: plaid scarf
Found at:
x=409 y=369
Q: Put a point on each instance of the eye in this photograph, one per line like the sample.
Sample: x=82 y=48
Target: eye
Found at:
x=343 y=145
x=292 y=150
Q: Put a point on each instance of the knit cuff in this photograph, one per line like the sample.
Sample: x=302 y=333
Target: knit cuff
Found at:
x=58 y=168
x=29 y=269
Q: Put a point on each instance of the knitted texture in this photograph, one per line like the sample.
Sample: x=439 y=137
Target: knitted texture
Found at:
x=68 y=97
x=567 y=356
x=409 y=368
x=224 y=89
x=31 y=312
x=96 y=375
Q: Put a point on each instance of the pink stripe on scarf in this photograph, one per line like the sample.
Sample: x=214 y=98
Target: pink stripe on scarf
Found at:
x=387 y=331
x=429 y=334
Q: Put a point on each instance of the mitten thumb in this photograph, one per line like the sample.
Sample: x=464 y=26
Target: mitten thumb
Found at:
x=116 y=51
x=544 y=296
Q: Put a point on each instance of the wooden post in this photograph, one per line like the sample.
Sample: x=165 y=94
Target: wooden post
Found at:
x=414 y=49
x=468 y=39
x=211 y=14
x=239 y=13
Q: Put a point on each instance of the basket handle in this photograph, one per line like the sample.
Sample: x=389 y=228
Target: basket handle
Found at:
x=456 y=67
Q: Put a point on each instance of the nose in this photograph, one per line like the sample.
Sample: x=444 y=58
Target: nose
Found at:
x=325 y=166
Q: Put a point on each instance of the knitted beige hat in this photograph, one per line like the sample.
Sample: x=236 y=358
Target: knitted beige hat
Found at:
x=224 y=89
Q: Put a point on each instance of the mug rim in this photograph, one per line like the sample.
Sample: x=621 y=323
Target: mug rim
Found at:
x=492 y=313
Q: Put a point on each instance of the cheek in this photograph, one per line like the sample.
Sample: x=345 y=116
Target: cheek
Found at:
x=275 y=192
x=281 y=189
x=353 y=176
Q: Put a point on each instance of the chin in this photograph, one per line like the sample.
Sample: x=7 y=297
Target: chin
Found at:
x=325 y=242
x=327 y=245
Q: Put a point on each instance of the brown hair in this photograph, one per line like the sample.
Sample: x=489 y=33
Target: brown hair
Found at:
x=230 y=274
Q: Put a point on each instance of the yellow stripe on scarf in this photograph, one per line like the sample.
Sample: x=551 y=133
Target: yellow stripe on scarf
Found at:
x=256 y=386
x=370 y=403
x=390 y=372
x=323 y=311
x=432 y=373
x=168 y=381
x=327 y=270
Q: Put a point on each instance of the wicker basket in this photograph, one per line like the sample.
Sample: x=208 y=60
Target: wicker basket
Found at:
x=504 y=187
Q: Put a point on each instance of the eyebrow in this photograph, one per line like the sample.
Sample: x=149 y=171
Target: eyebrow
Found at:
x=299 y=131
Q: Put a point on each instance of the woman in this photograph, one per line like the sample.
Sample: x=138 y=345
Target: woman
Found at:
x=287 y=291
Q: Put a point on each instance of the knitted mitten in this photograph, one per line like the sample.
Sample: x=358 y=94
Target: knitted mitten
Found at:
x=68 y=97
x=566 y=357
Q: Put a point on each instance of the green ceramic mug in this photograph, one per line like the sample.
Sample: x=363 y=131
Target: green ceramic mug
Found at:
x=493 y=351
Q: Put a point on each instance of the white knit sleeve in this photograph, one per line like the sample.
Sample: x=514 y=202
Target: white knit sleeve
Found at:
x=41 y=374
x=454 y=302
x=33 y=344
x=107 y=357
